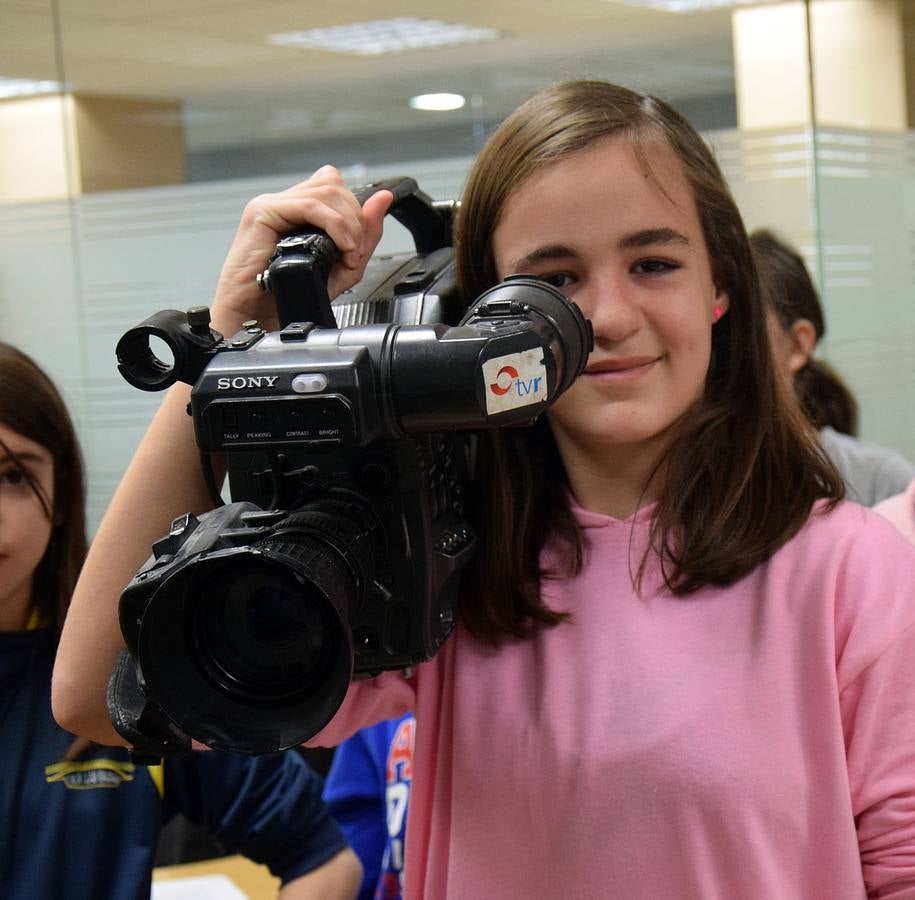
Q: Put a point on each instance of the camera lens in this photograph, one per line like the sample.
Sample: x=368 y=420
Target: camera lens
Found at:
x=266 y=636
x=249 y=648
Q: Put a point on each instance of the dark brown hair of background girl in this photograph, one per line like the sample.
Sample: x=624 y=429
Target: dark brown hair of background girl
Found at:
x=31 y=406
x=743 y=470
x=826 y=399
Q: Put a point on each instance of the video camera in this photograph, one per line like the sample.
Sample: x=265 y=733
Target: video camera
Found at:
x=349 y=436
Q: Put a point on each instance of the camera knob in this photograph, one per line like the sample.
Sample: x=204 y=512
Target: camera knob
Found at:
x=312 y=477
x=375 y=476
x=198 y=317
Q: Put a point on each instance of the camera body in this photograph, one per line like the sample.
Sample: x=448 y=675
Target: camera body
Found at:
x=350 y=449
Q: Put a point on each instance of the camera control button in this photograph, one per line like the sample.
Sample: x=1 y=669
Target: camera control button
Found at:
x=312 y=383
x=296 y=331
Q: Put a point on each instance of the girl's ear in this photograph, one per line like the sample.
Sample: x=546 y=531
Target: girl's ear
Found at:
x=802 y=339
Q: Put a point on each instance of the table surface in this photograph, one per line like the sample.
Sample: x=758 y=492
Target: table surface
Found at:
x=253 y=879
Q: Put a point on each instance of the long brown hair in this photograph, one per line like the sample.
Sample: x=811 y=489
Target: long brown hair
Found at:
x=743 y=470
x=825 y=397
x=31 y=405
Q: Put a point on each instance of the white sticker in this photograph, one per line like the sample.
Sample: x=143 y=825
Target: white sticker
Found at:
x=518 y=379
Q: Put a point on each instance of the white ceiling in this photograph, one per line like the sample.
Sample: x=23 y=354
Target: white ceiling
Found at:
x=237 y=89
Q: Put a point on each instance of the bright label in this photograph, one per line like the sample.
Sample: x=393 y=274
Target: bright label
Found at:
x=518 y=379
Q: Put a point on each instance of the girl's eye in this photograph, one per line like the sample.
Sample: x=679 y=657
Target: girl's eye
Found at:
x=558 y=279
x=654 y=267
x=13 y=477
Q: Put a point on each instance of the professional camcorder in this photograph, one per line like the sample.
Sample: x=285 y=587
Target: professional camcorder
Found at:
x=349 y=438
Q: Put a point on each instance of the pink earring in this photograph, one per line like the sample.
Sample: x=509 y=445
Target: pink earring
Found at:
x=717 y=313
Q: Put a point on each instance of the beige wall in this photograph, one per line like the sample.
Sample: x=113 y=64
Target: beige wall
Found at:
x=771 y=74
x=859 y=65
x=33 y=149
x=59 y=146
x=124 y=143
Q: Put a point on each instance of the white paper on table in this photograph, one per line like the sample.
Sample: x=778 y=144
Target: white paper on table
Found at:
x=197 y=887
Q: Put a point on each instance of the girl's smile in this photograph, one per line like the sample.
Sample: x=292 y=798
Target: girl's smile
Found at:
x=617 y=371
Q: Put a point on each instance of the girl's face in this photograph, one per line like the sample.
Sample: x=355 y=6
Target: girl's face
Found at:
x=25 y=528
x=634 y=259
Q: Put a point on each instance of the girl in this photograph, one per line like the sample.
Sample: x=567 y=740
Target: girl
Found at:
x=80 y=820
x=684 y=667
x=871 y=472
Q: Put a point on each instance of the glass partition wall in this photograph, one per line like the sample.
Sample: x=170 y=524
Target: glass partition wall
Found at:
x=862 y=60
x=123 y=172
x=39 y=280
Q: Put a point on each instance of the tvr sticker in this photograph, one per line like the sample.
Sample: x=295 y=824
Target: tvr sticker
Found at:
x=518 y=379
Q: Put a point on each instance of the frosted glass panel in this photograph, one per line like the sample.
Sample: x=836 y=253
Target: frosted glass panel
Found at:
x=68 y=293
x=39 y=302
x=866 y=187
x=855 y=226
x=770 y=175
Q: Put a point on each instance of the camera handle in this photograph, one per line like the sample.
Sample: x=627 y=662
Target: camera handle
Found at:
x=298 y=271
x=427 y=220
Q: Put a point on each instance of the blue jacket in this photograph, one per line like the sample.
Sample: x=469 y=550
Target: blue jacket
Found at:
x=368 y=789
x=88 y=828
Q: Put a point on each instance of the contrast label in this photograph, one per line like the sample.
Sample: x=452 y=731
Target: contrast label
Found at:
x=518 y=379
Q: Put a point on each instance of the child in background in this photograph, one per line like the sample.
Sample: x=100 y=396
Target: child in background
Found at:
x=871 y=472
x=368 y=792
x=80 y=820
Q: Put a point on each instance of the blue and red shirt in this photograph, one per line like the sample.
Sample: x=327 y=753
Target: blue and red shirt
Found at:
x=368 y=790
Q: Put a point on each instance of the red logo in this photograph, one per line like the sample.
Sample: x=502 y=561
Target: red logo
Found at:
x=497 y=388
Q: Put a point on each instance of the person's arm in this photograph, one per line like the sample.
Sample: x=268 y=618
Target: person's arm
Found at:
x=354 y=790
x=269 y=809
x=163 y=480
x=338 y=879
x=875 y=668
x=878 y=715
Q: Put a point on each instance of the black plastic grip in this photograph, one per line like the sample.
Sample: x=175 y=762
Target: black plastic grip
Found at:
x=300 y=267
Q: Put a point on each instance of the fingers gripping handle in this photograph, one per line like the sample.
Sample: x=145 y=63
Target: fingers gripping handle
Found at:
x=298 y=272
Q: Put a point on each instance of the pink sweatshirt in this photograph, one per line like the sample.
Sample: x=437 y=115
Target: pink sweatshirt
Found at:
x=755 y=742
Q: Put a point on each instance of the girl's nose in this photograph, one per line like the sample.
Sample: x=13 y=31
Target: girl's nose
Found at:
x=613 y=310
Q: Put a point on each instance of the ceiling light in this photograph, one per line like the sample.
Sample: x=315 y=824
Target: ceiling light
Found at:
x=686 y=6
x=26 y=87
x=437 y=102
x=384 y=36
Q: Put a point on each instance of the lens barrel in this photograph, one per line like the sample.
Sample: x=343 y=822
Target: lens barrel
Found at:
x=250 y=649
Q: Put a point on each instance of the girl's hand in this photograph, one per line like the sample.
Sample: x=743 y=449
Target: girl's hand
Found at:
x=322 y=201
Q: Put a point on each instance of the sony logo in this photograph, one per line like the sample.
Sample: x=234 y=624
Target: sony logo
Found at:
x=246 y=381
